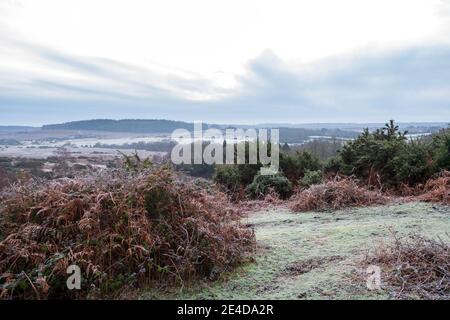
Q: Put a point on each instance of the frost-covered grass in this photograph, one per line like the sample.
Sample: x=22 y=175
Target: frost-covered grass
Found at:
x=317 y=255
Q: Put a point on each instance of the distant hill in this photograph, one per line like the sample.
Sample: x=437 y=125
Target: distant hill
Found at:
x=168 y=126
x=127 y=125
x=16 y=128
x=288 y=133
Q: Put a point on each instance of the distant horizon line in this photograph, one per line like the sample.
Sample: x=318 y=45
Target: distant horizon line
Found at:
x=231 y=124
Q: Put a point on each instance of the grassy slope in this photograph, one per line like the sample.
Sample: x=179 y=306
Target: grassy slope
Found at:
x=316 y=255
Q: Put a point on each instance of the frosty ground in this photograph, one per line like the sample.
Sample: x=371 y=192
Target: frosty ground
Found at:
x=317 y=255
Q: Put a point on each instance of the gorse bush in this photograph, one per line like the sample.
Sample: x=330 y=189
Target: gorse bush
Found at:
x=236 y=177
x=386 y=157
x=441 y=149
x=123 y=230
x=263 y=184
x=295 y=165
x=333 y=165
x=412 y=163
x=311 y=177
x=228 y=176
x=370 y=155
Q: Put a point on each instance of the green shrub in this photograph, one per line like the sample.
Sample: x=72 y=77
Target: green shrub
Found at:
x=371 y=155
x=263 y=183
x=368 y=155
x=202 y=170
x=247 y=172
x=312 y=177
x=386 y=154
x=441 y=150
x=333 y=165
x=295 y=165
x=412 y=164
x=228 y=176
x=234 y=177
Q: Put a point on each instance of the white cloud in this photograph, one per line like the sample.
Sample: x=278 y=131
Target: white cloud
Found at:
x=155 y=57
x=205 y=36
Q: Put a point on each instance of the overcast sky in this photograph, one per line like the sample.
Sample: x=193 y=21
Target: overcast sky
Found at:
x=225 y=61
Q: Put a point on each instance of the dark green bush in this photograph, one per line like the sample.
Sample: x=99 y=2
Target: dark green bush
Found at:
x=371 y=155
x=263 y=183
x=441 y=150
x=311 y=177
x=387 y=155
x=196 y=170
x=412 y=163
x=333 y=165
x=228 y=176
x=295 y=165
x=247 y=172
x=383 y=156
x=234 y=177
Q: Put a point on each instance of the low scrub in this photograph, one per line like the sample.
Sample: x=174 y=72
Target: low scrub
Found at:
x=386 y=158
x=262 y=185
x=334 y=194
x=123 y=230
x=414 y=267
x=294 y=165
x=311 y=178
x=437 y=189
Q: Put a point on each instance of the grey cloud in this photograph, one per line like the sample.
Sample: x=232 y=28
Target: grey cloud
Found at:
x=403 y=84
x=411 y=84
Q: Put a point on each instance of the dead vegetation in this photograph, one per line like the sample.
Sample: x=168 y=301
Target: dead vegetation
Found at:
x=335 y=194
x=270 y=200
x=123 y=230
x=304 y=266
x=342 y=192
x=437 y=189
x=414 y=267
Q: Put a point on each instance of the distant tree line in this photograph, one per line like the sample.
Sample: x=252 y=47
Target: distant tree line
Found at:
x=128 y=125
x=289 y=135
